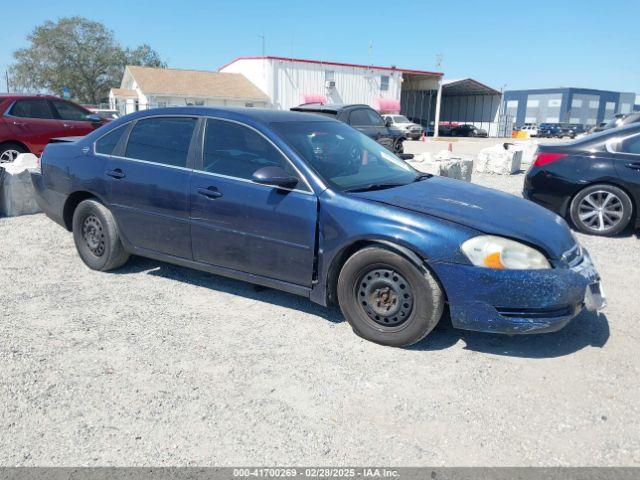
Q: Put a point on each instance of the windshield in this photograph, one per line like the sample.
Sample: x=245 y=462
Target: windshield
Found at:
x=345 y=158
x=400 y=119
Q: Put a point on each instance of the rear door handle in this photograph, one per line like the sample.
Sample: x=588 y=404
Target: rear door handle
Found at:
x=117 y=173
x=19 y=124
x=210 y=192
x=66 y=125
x=634 y=166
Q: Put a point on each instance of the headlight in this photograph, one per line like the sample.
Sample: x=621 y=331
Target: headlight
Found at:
x=500 y=253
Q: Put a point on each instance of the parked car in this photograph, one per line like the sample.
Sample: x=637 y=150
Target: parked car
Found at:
x=28 y=122
x=362 y=118
x=105 y=113
x=312 y=206
x=530 y=128
x=466 y=130
x=550 y=130
x=411 y=130
x=594 y=182
x=572 y=130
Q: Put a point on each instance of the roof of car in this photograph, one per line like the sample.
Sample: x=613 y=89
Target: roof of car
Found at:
x=259 y=115
x=328 y=107
x=26 y=95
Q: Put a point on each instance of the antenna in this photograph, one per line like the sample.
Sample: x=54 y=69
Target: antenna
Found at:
x=264 y=48
x=439 y=58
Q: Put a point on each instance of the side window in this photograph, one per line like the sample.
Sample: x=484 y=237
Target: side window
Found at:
x=631 y=145
x=31 y=109
x=360 y=118
x=237 y=151
x=69 y=111
x=163 y=140
x=108 y=142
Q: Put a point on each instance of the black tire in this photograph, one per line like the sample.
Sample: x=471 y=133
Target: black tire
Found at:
x=9 y=149
x=361 y=289
x=96 y=237
x=398 y=146
x=613 y=219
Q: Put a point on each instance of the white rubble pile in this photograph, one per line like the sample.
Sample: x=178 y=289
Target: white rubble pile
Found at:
x=499 y=160
x=444 y=164
x=16 y=190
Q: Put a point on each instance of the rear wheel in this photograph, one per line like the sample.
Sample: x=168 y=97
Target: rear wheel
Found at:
x=601 y=210
x=96 y=237
x=10 y=151
x=386 y=299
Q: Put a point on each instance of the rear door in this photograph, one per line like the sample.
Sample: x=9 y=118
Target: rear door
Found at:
x=148 y=184
x=627 y=163
x=74 y=118
x=31 y=121
x=245 y=226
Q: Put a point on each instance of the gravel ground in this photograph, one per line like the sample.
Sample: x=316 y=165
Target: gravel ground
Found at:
x=160 y=365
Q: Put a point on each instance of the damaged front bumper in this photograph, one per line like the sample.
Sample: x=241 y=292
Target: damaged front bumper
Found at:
x=519 y=301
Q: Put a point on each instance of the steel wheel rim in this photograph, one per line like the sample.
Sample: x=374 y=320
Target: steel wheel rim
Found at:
x=93 y=235
x=386 y=297
x=601 y=211
x=9 y=156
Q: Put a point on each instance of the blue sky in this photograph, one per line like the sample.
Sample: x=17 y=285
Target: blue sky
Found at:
x=541 y=43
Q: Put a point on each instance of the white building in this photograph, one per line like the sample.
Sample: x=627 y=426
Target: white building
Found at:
x=289 y=82
x=145 y=87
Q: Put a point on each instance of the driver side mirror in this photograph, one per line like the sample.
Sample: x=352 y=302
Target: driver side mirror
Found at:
x=93 y=118
x=275 y=177
x=388 y=122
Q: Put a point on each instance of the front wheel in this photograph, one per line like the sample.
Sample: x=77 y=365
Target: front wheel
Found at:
x=601 y=210
x=96 y=237
x=386 y=299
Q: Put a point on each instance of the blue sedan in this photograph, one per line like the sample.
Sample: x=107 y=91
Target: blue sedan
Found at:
x=307 y=204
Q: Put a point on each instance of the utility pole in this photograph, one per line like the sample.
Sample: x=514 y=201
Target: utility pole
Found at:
x=6 y=77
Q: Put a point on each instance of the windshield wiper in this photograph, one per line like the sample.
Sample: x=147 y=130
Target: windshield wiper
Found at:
x=374 y=186
x=422 y=176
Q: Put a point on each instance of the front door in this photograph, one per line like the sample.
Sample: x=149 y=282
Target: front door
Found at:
x=245 y=226
x=148 y=187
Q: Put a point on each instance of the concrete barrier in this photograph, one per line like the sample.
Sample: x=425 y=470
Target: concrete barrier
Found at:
x=499 y=160
x=16 y=190
x=443 y=164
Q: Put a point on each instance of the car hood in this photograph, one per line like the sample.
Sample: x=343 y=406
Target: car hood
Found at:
x=483 y=209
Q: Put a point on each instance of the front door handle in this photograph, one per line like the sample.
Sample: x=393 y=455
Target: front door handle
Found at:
x=210 y=192
x=634 y=166
x=66 y=125
x=117 y=174
x=19 y=124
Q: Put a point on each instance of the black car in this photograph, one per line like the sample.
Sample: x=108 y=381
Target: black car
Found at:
x=362 y=118
x=572 y=130
x=468 y=131
x=593 y=181
x=550 y=130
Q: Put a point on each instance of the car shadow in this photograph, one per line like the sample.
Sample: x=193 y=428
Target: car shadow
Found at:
x=589 y=329
x=586 y=330
x=228 y=285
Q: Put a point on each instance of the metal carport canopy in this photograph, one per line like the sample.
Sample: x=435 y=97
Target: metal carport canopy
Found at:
x=466 y=86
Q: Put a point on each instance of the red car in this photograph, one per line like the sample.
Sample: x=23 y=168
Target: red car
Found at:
x=28 y=122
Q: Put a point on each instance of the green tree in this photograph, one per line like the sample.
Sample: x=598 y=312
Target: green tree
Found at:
x=78 y=54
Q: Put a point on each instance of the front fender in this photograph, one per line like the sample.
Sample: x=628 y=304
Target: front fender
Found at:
x=347 y=224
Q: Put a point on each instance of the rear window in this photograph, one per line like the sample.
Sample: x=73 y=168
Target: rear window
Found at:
x=162 y=140
x=31 y=109
x=108 y=142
